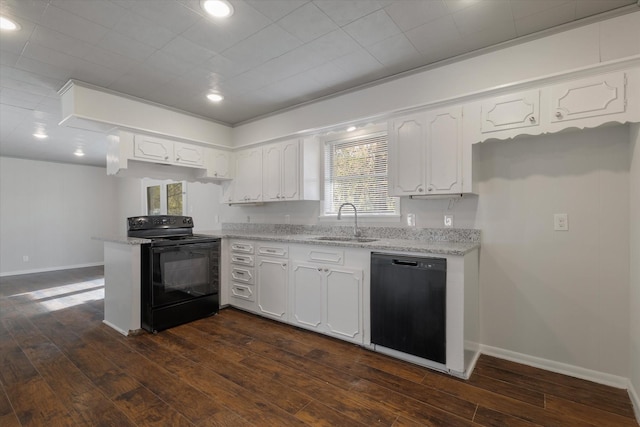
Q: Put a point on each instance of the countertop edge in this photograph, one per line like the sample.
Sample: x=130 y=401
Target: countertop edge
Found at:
x=399 y=245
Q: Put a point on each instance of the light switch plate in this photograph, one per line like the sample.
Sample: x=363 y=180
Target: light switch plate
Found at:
x=411 y=220
x=561 y=222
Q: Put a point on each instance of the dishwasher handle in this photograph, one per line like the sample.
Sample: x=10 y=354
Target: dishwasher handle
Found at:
x=406 y=263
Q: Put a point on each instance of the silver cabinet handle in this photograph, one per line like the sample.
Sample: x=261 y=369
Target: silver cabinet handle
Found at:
x=558 y=114
x=532 y=119
x=420 y=189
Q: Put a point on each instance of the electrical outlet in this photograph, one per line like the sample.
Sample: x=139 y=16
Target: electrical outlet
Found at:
x=561 y=222
x=448 y=221
x=25 y=258
x=411 y=220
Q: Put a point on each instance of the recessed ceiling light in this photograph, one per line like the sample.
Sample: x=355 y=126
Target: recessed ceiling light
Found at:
x=79 y=153
x=217 y=8
x=351 y=128
x=40 y=135
x=7 y=24
x=215 y=97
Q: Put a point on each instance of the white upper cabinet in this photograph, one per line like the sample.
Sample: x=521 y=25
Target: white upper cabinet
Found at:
x=590 y=97
x=425 y=153
x=167 y=151
x=247 y=185
x=151 y=148
x=512 y=111
x=188 y=154
x=218 y=163
x=444 y=151
x=407 y=144
x=580 y=103
x=281 y=171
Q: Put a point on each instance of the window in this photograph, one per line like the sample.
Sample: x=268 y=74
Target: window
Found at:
x=165 y=197
x=355 y=171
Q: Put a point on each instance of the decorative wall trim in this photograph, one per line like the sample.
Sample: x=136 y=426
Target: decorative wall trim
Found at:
x=44 y=270
x=558 y=367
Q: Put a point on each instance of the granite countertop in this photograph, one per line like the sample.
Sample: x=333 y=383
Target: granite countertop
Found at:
x=425 y=240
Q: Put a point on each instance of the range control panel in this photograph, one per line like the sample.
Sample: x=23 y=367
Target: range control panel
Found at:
x=150 y=222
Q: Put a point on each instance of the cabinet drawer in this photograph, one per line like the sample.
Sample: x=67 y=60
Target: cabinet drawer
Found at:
x=244 y=275
x=242 y=259
x=242 y=247
x=273 y=250
x=244 y=292
x=326 y=256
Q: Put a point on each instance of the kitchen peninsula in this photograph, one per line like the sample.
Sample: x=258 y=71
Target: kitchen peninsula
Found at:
x=288 y=250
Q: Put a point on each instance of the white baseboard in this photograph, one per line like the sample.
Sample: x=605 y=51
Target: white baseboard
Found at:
x=635 y=400
x=45 y=270
x=558 y=367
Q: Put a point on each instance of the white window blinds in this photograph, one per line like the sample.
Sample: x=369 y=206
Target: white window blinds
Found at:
x=356 y=172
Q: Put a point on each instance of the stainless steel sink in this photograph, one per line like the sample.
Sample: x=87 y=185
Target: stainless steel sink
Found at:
x=345 y=239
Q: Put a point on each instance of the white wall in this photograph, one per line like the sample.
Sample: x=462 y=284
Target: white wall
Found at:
x=634 y=306
x=560 y=296
x=49 y=212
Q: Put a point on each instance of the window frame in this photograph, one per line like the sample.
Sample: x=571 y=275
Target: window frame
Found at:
x=345 y=137
x=163 y=184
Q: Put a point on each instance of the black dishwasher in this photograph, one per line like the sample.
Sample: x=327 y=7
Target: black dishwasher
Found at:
x=408 y=304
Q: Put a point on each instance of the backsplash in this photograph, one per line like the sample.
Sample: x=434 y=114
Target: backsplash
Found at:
x=459 y=235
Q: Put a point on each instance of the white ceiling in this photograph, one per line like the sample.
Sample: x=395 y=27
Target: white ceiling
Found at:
x=270 y=55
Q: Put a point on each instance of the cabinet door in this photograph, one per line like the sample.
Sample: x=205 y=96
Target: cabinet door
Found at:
x=148 y=147
x=590 y=97
x=343 y=311
x=290 y=171
x=272 y=288
x=248 y=181
x=407 y=141
x=511 y=111
x=271 y=166
x=444 y=143
x=217 y=163
x=188 y=154
x=307 y=296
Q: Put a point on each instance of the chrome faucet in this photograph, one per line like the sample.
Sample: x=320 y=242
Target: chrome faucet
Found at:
x=356 y=232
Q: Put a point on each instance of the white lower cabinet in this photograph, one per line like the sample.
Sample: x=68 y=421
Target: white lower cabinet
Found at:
x=327 y=298
x=272 y=287
x=242 y=286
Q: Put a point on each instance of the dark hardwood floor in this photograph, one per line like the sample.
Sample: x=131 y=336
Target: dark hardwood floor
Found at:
x=59 y=365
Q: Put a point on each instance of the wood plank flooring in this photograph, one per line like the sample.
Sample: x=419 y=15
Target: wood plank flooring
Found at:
x=59 y=365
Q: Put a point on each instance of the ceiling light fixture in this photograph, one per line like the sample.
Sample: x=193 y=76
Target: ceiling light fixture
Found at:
x=351 y=128
x=217 y=8
x=41 y=135
x=215 y=97
x=7 y=24
x=78 y=153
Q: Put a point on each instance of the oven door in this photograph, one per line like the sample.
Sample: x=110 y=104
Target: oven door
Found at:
x=183 y=272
